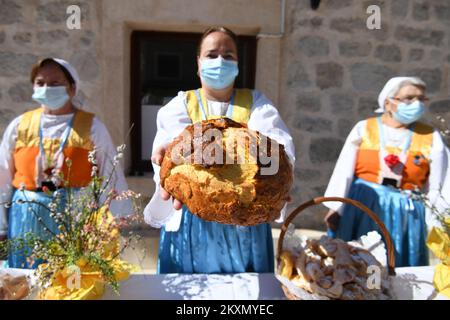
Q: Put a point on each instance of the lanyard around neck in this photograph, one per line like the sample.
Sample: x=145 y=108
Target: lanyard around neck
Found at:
x=205 y=114
x=64 y=139
x=406 y=144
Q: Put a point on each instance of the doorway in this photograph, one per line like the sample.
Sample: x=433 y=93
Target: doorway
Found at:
x=163 y=63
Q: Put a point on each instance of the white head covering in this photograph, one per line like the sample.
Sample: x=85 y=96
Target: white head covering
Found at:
x=76 y=100
x=393 y=86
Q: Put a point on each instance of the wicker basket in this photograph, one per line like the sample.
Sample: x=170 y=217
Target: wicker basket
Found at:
x=319 y=200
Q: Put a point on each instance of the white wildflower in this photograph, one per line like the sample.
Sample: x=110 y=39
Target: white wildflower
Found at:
x=121 y=148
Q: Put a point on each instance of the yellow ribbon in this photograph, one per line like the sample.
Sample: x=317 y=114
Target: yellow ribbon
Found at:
x=439 y=243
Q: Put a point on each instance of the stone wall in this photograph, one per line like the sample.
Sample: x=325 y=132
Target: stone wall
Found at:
x=324 y=73
x=333 y=68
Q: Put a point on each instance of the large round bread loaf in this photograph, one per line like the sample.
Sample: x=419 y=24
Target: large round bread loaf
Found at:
x=242 y=188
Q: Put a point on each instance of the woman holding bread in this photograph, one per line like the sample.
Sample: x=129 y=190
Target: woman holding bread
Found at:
x=384 y=161
x=189 y=244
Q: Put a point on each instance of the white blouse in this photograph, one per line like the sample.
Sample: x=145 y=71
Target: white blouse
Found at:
x=171 y=121
x=344 y=170
x=53 y=126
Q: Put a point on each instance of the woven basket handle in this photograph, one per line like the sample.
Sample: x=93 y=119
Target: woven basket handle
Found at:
x=359 y=205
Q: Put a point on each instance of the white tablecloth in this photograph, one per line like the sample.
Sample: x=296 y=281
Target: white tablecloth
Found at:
x=412 y=283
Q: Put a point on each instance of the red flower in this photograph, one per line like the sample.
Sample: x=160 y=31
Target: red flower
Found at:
x=392 y=160
x=46 y=190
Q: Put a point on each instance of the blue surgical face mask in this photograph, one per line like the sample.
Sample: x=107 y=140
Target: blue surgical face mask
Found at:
x=52 y=97
x=218 y=73
x=409 y=113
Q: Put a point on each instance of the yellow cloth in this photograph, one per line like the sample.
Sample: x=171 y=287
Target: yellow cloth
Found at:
x=80 y=136
x=439 y=243
x=91 y=284
x=421 y=140
x=243 y=103
x=441 y=279
x=82 y=281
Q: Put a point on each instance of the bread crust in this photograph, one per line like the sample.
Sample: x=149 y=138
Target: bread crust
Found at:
x=264 y=198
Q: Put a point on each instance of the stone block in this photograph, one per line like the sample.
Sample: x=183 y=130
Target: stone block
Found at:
x=341 y=103
x=329 y=75
x=440 y=107
x=23 y=38
x=298 y=76
x=86 y=65
x=21 y=92
x=399 y=8
x=366 y=107
x=313 y=124
x=16 y=64
x=308 y=102
x=354 y=48
x=416 y=54
x=314 y=46
x=421 y=11
x=427 y=36
x=370 y=77
x=432 y=78
x=307 y=174
x=322 y=150
x=10 y=12
x=388 y=53
x=46 y=37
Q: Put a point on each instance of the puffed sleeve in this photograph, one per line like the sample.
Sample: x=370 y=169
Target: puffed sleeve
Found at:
x=344 y=170
x=106 y=151
x=170 y=122
x=7 y=170
x=443 y=201
x=266 y=119
x=437 y=179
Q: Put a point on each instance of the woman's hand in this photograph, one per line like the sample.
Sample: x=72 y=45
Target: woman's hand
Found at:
x=332 y=220
x=157 y=158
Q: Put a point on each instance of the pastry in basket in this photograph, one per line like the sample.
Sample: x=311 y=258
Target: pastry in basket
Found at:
x=13 y=288
x=332 y=268
x=231 y=186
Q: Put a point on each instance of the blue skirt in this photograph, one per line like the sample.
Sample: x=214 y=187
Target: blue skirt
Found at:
x=23 y=218
x=404 y=219
x=201 y=246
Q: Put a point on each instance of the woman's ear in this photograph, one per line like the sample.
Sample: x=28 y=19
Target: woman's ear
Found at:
x=72 y=90
x=389 y=106
x=198 y=66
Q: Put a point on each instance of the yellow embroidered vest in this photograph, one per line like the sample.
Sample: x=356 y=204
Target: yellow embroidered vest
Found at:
x=243 y=102
x=417 y=167
x=77 y=148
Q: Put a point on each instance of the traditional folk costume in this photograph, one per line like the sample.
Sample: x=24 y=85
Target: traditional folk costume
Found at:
x=362 y=173
x=33 y=145
x=189 y=244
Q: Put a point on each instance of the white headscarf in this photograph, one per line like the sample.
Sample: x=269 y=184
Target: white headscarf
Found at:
x=393 y=86
x=77 y=100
